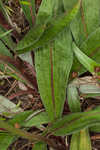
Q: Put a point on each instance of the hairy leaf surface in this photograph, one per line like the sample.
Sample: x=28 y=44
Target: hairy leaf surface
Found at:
x=85 y=30
x=53 y=64
x=87 y=62
x=74 y=122
x=51 y=32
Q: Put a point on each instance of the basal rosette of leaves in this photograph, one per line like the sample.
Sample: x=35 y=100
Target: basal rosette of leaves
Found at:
x=64 y=37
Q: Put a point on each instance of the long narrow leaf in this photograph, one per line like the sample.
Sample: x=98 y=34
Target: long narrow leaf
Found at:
x=5 y=140
x=95 y=128
x=29 y=10
x=37 y=120
x=69 y=4
x=4 y=34
x=87 y=62
x=51 y=32
x=87 y=20
x=85 y=26
x=91 y=45
x=44 y=14
x=2 y=8
x=85 y=141
x=31 y=37
x=73 y=98
x=75 y=141
x=40 y=146
x=53 y=64
x=45 y=11
x=74 y=122
x=4 y=50
x=20 y=118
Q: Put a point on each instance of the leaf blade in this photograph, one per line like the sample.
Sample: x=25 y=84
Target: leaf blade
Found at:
x=85 y=142
x=74 y=122
x=29 y=10
x=87 y=62
x=51 y=62
x=51 y=32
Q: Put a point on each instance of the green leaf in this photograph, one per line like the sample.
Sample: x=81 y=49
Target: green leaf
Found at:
x=74 y=145
x=4 y=50
x=73 y=98
x=44 y=14
x=53 y=64
x=95 y=128
x=6 y=33
x=20 y=118
x=84 y=28
x=69 y=4
x=81 y=141
x=37 y=120
x=5 y=140
x=2 y=8
x=91 y=14
x=45 y=11
x=51 y=32
x=87 y=62
x=84 y=141
x=86 y=21
x=91 y=45
x=31 y=37
x=91 y=48
x=29 y=10
x=74 y=122
x=25 y=3
x=40 y=146
x=7 y=39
